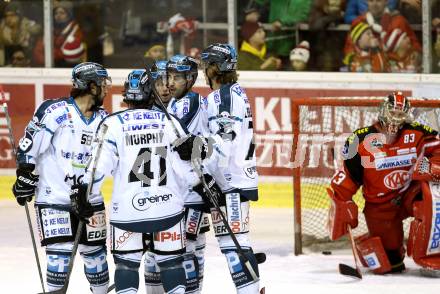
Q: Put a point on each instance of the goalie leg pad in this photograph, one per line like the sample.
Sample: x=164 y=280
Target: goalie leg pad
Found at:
x=385 y=220
x=373 y=254
x=95 y=267
x=424 y=237
x=172 y=273
x=153 y=284
x=127 y=272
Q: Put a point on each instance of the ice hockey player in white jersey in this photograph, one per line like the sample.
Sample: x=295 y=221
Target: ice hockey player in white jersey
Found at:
x=190 y=108
x=230 y=116
x=150 y=181
x=51 y=158
x=159 y=75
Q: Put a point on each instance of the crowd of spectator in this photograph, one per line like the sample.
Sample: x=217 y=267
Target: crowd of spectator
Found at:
x=379 y=36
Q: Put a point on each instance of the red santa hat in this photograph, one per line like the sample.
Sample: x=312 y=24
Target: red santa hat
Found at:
x=393 y=39
x=301 y=52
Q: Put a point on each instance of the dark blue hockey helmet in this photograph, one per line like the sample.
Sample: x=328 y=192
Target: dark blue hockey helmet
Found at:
x=137 y=87
x=183 y=64
x=223 y=55
x=159 y=69
x=85 y=73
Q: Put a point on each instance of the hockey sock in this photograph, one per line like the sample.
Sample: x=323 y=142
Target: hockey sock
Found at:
x=153 y=284
x=57 y=265
x=240 y=275
x=191 y=266
x=126 y=276
x=200 y=255
x=173 y=275
x=96 y=269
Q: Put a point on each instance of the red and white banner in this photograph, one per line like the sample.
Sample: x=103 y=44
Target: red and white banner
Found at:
x=271 y=96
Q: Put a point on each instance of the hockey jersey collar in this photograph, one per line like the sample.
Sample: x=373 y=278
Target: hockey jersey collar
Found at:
x=84 y=119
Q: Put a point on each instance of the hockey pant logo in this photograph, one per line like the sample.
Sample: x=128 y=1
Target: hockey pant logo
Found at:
x=53 y=223
x=96 y=229
x=171 y=240
x=122 y=240
x=237 y=215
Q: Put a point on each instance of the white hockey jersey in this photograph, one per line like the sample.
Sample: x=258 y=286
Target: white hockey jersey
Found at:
x=228 y=107
x=150 y=179
x=58 y=141
x=191 y=111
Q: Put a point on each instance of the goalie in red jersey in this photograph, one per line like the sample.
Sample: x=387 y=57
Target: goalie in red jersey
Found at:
x=395 y=162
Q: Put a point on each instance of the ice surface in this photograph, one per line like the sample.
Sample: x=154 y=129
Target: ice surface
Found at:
x=272 y=232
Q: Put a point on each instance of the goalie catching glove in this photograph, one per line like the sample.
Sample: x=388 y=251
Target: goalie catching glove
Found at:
x=25 y=184
x=427 y=169
x=81 y=207
x=213 y=187
x=193 y=147
x=341 y=214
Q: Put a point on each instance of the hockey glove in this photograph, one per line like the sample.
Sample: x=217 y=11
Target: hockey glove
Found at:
x=427 y=169
x=81 y=207
x=213 y=187
x=193 y=147
x=341 y=214
x=25 y=185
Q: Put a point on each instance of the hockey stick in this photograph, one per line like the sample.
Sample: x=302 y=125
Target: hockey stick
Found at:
x=211 y=197
x=80 y=228
x=28 y=216
x=347 y=270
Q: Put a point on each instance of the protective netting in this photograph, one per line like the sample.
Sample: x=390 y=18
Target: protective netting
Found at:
x=323 y=130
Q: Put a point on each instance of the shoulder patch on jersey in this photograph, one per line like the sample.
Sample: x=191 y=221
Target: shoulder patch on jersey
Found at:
x=48 y=106
x=361 y=134
x=427 y=130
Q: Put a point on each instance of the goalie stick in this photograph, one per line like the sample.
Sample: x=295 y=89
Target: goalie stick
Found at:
x=347 y=270
x=80 y=228
x=28 y=216
x=211 y=197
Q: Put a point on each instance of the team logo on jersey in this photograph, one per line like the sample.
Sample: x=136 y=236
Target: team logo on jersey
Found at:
x=143 y=201
x=376 y=143
x=395 y=161
x=251 y=172
x=396 y=179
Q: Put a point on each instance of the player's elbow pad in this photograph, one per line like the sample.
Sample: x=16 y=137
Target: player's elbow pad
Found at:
x=341 y=214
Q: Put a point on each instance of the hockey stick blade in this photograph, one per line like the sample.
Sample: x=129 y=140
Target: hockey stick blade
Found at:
x=347 y=270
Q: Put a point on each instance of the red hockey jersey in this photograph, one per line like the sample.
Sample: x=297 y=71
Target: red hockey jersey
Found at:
x=383 y=170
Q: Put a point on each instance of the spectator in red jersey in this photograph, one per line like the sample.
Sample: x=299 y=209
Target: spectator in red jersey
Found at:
x=69 y=48
x=401 y=55
x=381 y=21
x=368 y=55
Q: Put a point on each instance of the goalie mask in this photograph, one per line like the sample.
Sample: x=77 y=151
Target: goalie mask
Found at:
x=394 y=112
x=137 y=87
